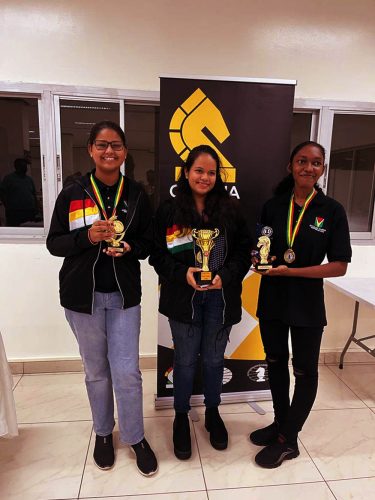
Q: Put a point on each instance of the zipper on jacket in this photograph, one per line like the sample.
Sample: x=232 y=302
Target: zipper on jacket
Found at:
x=93 y=279
x=222 y=289
x=100 y=247
x=192 y=306
x=113 y=258
x=118 y=284
x=132 y=217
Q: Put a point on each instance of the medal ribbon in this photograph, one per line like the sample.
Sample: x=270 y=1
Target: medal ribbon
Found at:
x=99 y=198
x=290 y=232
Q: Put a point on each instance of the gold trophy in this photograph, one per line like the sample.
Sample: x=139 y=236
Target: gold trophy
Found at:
x=264 y=245
x=205 y=241
x=115 y=241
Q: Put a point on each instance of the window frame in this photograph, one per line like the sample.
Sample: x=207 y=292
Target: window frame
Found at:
x=323 y=112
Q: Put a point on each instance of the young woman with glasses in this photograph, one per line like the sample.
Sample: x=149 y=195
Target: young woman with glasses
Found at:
x=101 y=225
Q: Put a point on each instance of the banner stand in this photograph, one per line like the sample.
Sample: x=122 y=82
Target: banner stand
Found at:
x=248 y=123
x=161 y=403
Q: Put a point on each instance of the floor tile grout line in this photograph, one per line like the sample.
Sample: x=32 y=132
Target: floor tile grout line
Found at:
x=18 y=381
x=140 y=495
x=265 y=486
x=352 y=390
x=317 y=468
x=55 y=422
x=350 y=479
x=200 y=458
x=85 y=463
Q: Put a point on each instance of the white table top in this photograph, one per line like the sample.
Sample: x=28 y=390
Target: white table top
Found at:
x=361 y=289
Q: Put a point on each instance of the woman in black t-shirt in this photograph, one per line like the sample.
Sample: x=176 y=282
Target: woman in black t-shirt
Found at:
x=307 y=227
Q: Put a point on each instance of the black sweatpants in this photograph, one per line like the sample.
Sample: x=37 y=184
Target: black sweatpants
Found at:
x=305 y=349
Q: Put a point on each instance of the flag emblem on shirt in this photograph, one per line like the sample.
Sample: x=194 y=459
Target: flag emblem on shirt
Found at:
x=319 y=221
x=82 y=213
x=176 y=242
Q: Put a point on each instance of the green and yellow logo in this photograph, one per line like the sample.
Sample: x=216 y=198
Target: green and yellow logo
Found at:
x=319 y=221
x=187 y=130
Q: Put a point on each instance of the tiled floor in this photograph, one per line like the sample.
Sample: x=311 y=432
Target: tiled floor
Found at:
x=52 y=457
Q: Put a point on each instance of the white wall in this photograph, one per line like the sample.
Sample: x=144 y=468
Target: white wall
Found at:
x=327 y=45
x=34 y=327
x=32 y=321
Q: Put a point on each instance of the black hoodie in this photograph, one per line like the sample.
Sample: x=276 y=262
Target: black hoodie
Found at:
x=75 y=211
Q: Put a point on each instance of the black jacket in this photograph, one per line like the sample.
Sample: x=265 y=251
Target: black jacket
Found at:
x=175 y=293
x=75 y=211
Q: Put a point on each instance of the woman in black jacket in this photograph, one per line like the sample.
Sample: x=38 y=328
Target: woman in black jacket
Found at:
x=101 y=225
x=307 y=227
x=200 y=317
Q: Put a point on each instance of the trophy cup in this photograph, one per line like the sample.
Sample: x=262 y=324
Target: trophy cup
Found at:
x=115 y=241
x=205 y=241
x=264 y=245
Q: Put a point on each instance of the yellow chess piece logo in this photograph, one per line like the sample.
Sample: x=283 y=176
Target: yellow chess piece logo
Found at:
x=186 y=130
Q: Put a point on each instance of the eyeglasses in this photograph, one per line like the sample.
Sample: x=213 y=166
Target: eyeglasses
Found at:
x=103 y=145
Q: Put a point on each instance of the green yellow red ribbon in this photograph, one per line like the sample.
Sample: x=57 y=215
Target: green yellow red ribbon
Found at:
x=99 y=198
x=290 y=232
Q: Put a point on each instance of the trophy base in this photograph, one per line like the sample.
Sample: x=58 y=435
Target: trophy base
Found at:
x=263 y=267
x=119 y=249
x=203 y=278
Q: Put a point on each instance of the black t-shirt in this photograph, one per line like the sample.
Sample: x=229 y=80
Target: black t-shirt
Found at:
x=105 y=279
x=324 y=232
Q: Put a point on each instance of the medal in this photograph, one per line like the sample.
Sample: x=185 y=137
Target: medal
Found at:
x=289 y=255
x=118 y=226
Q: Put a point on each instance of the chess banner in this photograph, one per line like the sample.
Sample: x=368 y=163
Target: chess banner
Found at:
x=248 y=122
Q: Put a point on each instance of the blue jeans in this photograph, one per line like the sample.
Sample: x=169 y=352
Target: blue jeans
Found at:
x=206 y=336
x=109 y=345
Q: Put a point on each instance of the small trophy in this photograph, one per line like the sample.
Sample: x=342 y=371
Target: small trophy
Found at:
x=264 y=245
x=205 y=241
x=115 y=241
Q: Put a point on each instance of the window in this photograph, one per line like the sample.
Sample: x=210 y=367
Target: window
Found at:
x=21 y=191
x=46 y=127
x=74 y=120
x=142 y=130
x=352 y=168
x=304 y=127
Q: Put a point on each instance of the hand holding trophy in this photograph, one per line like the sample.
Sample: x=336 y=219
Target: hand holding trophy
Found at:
x=264 y=245
x=205 y=241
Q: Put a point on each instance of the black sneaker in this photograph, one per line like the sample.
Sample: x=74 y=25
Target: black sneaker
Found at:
x=104 y=454
x=145 y=457
x=266 y=435
x=181 y=436
x=215 y=426
x=272 y=456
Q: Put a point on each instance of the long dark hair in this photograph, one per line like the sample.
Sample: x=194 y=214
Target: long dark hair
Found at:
x=287 y=184
x=218 y=204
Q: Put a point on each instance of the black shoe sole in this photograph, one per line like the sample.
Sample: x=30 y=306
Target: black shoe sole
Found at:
x=289 y=456
x=106 y=467
x=182 y=455
x=146 y=474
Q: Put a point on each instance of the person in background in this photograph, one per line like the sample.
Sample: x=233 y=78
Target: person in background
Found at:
x=100 y=289
x=307 y=228
x=200 y=317
x=17 y=192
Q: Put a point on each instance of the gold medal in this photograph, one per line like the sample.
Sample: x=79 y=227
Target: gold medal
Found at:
x=118 y=226
x=289 y=256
